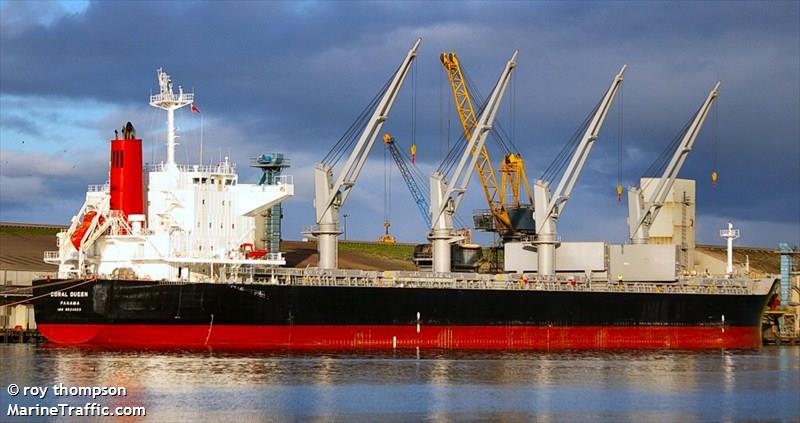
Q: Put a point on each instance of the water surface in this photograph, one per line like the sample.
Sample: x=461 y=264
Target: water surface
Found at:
x=432 y=386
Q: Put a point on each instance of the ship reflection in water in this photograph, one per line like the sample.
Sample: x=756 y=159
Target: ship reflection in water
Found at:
x=434 y=386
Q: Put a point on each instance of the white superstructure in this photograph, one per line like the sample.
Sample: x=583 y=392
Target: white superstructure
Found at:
x=199 y=223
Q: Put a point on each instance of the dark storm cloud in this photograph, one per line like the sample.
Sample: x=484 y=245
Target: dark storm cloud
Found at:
x=20 y=125
x=301 y=71
x=47 y=188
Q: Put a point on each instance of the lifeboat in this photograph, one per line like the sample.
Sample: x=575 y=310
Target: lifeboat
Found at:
x=77 y=236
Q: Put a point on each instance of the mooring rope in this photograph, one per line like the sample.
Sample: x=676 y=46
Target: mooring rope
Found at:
x=22 y=288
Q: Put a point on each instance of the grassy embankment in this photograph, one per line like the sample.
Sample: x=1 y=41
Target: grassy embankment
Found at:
x=395 y=252
x=27 y=231
x=489 y=264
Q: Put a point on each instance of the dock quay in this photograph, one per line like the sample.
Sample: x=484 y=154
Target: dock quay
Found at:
x=781 y=327
x=20 y=336
x=782 y=340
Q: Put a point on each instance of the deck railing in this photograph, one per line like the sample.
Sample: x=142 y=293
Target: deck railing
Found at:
x=157 y=98
x=516 y=282
x=99 y=188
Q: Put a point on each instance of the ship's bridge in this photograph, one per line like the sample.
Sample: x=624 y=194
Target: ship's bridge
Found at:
x=209 y=201
x=199 y=218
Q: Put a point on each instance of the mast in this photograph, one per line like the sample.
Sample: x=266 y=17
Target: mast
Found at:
x=167 y=100
x=729 y=235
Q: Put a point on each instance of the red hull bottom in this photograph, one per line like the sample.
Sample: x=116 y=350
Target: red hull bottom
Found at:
x=404 y=337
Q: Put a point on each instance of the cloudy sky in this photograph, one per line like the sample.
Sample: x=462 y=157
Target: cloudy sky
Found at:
x=291 y=77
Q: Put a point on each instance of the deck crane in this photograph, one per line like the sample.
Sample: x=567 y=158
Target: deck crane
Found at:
x=551 y=205
x=513 y=169
x=411 y=183
x=446 y=197
x=641 y=213
x=330 y=196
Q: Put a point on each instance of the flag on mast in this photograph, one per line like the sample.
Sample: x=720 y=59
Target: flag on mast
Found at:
x=195 y=109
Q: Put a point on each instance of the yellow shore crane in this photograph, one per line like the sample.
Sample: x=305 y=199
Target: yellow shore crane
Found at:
x=513 y=176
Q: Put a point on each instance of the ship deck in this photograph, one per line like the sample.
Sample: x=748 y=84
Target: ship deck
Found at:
x=512 y=282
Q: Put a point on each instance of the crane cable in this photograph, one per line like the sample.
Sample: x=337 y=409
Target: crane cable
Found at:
x=419 y=179
x=714 y=143
x=387 y=187
x=660 y=163
x=414 y=111
x=441 y=117
x=559 y=163
x=350 y=136
x=620 y=188
x=422 y=181
x=454 y=154
x=348 y=139
x=449 y=123
x=514 y=109
x=500 y=136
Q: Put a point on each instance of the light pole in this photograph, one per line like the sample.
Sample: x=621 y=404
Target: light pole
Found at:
x=345 y=216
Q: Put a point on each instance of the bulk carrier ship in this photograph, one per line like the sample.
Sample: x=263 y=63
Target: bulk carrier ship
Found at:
x=168 y=257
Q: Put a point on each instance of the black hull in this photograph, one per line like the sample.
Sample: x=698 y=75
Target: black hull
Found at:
x=490 y=312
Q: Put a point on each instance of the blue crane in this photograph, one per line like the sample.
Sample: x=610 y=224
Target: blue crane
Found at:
x=411 y=183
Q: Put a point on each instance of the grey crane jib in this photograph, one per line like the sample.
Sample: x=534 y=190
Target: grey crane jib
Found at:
x=550 y=206
x=641 y=214
x=330 y=196
x=554 y=207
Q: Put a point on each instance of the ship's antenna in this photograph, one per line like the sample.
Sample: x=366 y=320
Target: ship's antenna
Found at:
x=167 y=100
